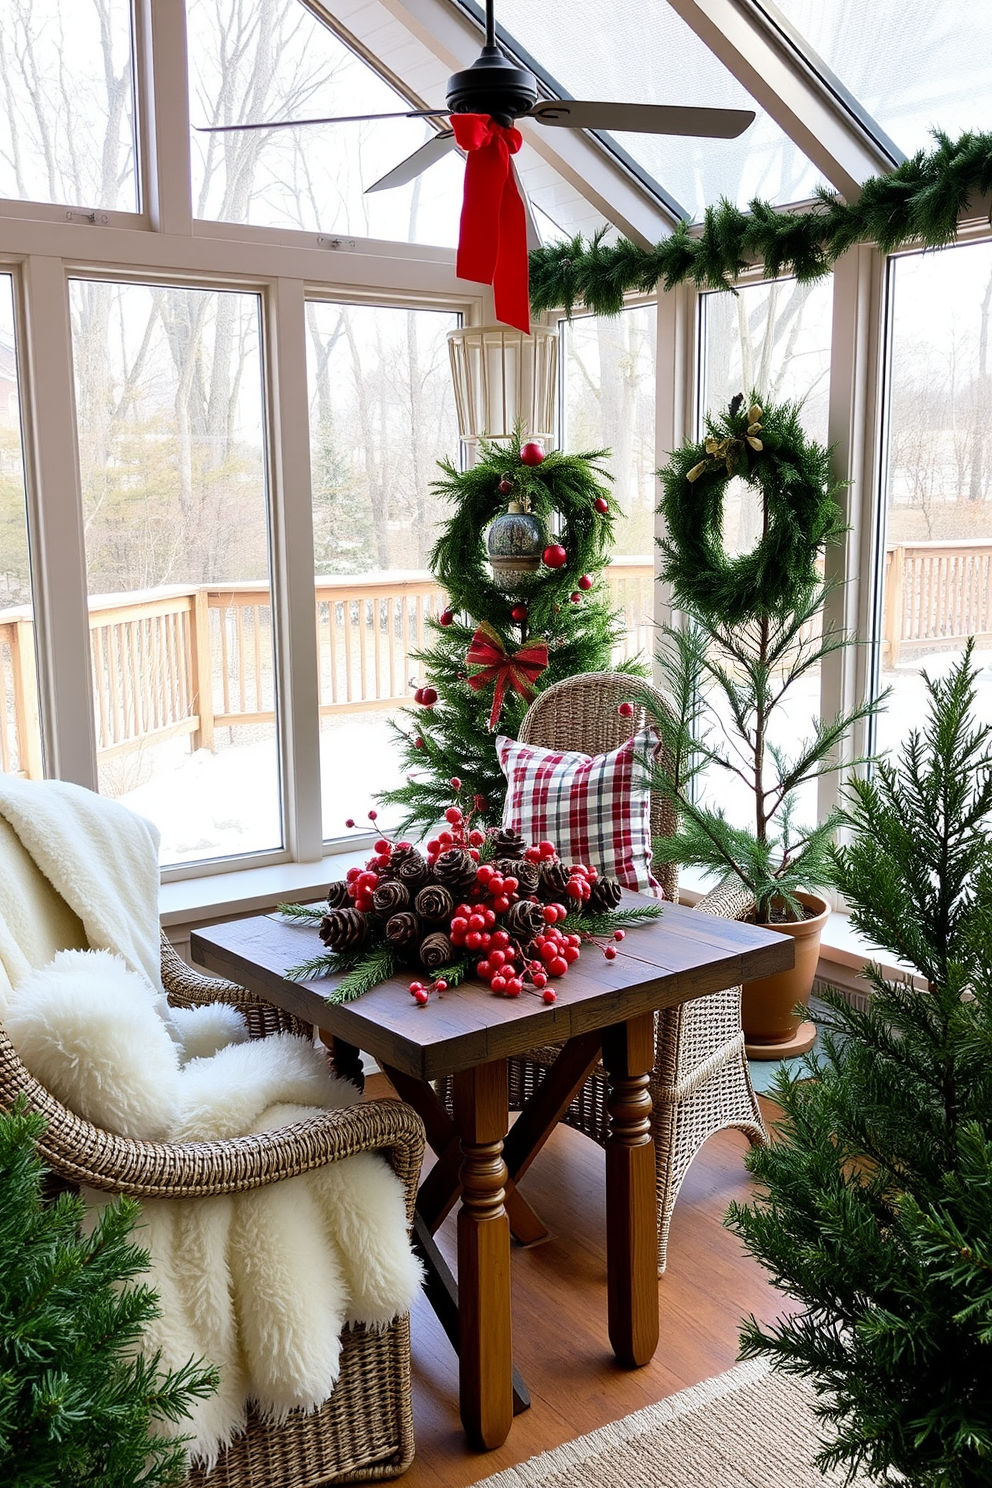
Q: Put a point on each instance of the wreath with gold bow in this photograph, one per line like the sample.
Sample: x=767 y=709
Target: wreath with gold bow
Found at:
x=767 y=447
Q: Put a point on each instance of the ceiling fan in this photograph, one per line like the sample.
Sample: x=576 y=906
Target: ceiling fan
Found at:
x=483 y=103
x=496 y=86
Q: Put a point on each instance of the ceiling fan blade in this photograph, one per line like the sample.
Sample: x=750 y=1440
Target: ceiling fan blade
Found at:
x=334 y=119
x=643 y=118
x=534 y=239
x=434 y=150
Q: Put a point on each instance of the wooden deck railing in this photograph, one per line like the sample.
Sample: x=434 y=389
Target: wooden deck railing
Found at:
x=189 y=661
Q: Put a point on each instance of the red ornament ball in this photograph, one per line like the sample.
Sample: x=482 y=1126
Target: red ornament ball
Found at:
x=585 y=582
x=418 y=743
x=519 y=612
x=505 y=487
x=626 y=710
x=601 y=504
x=428 y=696
x=575 y=598
x=531 y=454
x=555 y=556
x=446 y=617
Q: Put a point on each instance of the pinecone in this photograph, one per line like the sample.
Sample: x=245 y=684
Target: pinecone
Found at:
x=344 y=930
x=456 y=869
x=507 y=843
x=554 y=878
x=338 y=896
x=435 y=951
x=390 y=897
x=403 y=930
x=525 y=920
x=604 y=896
x=434 y=903
x=409 y=866
x=528 y=875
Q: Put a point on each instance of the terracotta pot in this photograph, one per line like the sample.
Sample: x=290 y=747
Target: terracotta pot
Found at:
x=772 y=1029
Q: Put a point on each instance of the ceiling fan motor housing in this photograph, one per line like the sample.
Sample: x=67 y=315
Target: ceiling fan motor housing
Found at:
x=492 y=85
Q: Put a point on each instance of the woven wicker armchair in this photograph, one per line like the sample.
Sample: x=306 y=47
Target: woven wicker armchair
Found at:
x=701 y=1082
x=365 y=1430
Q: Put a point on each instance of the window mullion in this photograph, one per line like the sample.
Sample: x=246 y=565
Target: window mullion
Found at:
x=55 y=521
x=853 y=433
x=675 y=399
x=163 y=114
x=293 y=567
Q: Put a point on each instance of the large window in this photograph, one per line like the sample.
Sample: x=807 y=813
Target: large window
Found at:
x=169 y=403
x=251 y=63
x=20 y=736
x=608 y=375
x=773 y=340
x=936 y=529
x=66 y=103
x=381 y=416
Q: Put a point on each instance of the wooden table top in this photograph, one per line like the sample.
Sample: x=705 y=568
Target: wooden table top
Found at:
x=659 y=965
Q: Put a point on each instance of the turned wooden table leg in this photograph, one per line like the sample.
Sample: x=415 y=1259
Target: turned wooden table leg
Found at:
x=485 y=1354
x=631 y=1205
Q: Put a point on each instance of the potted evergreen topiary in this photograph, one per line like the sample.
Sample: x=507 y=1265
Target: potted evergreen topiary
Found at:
x=875 y=1202
x=77 y=1401
x=752 y=631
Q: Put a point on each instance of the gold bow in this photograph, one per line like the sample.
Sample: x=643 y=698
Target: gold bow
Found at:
x=726 y=451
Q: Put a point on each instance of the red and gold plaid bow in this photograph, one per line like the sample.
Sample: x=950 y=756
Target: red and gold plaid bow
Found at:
x=519 y=670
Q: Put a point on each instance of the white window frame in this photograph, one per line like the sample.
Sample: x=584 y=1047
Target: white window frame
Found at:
x=46 y=245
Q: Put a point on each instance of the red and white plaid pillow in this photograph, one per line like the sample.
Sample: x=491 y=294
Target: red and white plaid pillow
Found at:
x=596 y=809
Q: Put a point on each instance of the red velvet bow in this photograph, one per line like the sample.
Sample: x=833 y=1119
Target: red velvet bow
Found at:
x=519 y=670
x=492 y=237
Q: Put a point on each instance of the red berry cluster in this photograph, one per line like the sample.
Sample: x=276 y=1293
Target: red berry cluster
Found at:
x=421 y=993
x=362 y=881
x=459 y=831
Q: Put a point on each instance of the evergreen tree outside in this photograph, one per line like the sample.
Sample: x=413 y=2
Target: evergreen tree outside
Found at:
x=875 y=1208
x=568 y=607
x=76 y=1400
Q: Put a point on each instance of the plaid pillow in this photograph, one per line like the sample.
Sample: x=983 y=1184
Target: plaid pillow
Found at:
x=594 y=808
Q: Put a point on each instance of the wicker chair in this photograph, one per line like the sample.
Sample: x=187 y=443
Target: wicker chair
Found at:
x=701 y=1082
x=365 y=1430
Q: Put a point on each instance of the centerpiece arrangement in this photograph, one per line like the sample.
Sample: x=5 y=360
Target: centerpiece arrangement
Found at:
x=473 y=903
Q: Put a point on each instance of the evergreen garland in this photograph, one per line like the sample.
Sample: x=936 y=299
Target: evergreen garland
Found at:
x=770 y=451
x=875 y=1210
x=76 y=1400
x=917 y=203
x=452 y=737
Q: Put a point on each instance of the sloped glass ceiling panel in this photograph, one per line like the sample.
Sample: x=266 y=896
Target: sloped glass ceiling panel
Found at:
x=640 y=51
x=251 y=62
x=913 y=64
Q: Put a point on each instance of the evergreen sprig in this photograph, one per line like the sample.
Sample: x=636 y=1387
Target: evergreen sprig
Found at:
x=76 y=1399
x=452 y=738
x=875 y=1202
x=591 y=922
x=917 y=203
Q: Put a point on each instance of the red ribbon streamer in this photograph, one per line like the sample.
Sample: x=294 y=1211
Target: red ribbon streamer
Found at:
x=492 y=236
x=518 y=670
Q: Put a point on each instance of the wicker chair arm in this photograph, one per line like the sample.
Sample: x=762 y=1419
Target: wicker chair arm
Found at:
x=186 y=987
x=80 y=1152
x=731 y=900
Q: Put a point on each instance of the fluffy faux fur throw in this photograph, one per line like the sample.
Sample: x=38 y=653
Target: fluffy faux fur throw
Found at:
x=100 y=859
x=259 y=1283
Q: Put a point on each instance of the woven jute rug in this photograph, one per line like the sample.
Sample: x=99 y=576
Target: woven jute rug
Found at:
x=745 y=1429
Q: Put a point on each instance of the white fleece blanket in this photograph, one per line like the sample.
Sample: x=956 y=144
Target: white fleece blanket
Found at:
x=262 y=1283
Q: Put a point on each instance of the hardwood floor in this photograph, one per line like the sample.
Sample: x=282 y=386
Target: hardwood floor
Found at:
x=559 y=1311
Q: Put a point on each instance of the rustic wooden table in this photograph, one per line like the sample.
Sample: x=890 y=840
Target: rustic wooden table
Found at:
x=604 y=1009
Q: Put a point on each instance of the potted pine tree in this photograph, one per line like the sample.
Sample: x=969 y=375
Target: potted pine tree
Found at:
x=752 y=633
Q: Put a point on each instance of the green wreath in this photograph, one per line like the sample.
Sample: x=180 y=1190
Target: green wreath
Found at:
x=561 y=492
x=768 y=449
